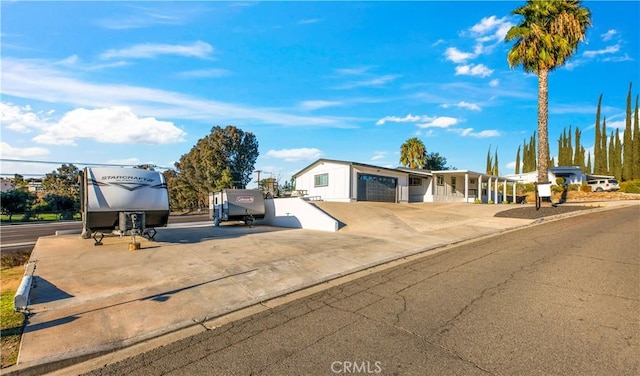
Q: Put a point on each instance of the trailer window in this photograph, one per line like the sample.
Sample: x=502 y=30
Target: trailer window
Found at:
x=321 y=180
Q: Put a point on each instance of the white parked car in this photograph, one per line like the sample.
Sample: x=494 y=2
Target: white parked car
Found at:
x=601 y=185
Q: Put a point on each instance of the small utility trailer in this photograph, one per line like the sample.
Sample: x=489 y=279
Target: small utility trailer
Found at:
x=245 y=205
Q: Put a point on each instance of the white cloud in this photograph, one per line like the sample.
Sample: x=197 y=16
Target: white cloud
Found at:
x=21 y=119
x=109 y=125
x=609 y=50
x=353 y=71
x=8 y=151
x=511 y=165
x=473 y=70
x=318 y=104
x=204 y=73
x=394 y=119
x=608 y=35
x=495 y=82
x=457 y=56
x=370 y=82
x=439 y=122
x=40 y=80
x=378 y=155
x=488 y=25
x=463 y=104
x=295 y=155
x=149 y=51
x=617 y=59
x=309 y=21
x=468 y=132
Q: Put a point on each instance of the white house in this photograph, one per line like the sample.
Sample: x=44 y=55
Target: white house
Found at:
x=334 y=180
x=572 y=174
x=6 y=185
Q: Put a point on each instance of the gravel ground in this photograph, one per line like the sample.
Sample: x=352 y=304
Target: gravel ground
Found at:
x=530 y=212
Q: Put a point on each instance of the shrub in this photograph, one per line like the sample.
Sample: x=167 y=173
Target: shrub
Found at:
x=585 y=188
x=631 y=186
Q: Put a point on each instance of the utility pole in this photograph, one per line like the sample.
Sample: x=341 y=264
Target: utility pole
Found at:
x=258 y=171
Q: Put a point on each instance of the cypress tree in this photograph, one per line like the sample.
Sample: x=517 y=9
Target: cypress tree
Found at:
x=489 y=168
x=636 y=144
x=532 y=153
x=617 y=155
x=561 y=148
x=604 y=163
x=495 y=164
x=627 y=154
x=578 y=158
x=518 y=161
x=597 y=153
x=588 y=168
x=569 y=149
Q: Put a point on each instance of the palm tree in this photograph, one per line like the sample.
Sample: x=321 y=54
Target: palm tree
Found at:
x=548 y=35
x=413 y=153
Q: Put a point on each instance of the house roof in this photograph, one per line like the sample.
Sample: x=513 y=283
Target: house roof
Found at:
x=411 y=171
x=323 y=160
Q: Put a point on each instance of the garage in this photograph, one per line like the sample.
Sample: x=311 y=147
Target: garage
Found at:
x=377 y=188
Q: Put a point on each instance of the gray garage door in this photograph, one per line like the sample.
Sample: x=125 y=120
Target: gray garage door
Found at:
x=376 y=188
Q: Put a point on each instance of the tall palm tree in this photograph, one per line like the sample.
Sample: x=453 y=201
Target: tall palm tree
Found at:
x=413 y=153
x=548 y=35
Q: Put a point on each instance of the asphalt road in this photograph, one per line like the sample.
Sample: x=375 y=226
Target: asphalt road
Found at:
x=560 y=298
x=28 y=233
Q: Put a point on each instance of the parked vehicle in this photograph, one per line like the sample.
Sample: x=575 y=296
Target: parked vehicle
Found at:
x=245 y=205
x=123 y=199
x=601 y=185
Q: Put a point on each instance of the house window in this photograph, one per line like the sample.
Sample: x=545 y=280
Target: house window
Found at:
x=453 y=183
x=440 y=180
x=415 y=181
x=321 y=180
x=472 y=181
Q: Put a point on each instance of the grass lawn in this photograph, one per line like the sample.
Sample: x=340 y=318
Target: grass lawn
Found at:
x=11 y=322
x=18 y=218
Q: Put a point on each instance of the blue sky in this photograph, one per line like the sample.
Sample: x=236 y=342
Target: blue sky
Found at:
x=141 y=82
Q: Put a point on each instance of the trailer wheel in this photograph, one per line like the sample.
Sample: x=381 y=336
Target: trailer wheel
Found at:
x=216 y=221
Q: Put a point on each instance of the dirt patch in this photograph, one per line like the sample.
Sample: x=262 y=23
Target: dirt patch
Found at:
x=530 y=212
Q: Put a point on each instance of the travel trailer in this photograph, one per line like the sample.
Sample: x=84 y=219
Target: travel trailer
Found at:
x=123 y=199
x=244 y=205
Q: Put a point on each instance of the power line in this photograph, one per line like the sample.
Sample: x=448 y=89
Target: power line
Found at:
x=83 y=163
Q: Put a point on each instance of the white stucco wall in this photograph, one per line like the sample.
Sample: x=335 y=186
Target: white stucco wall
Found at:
x=297 y=213
x=338 y=188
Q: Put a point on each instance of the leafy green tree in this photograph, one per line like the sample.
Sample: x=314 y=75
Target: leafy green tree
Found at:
x=518 y=161
x=547 y=36
x=436 y=162
x=16 y=201
x=63 y=186
x=413 y=153
x=146 y=166
x=223 y=159
x=18 y=181
x=65 y=206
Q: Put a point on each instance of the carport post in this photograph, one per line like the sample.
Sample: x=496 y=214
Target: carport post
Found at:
x=466 y=187
x=495 y=190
